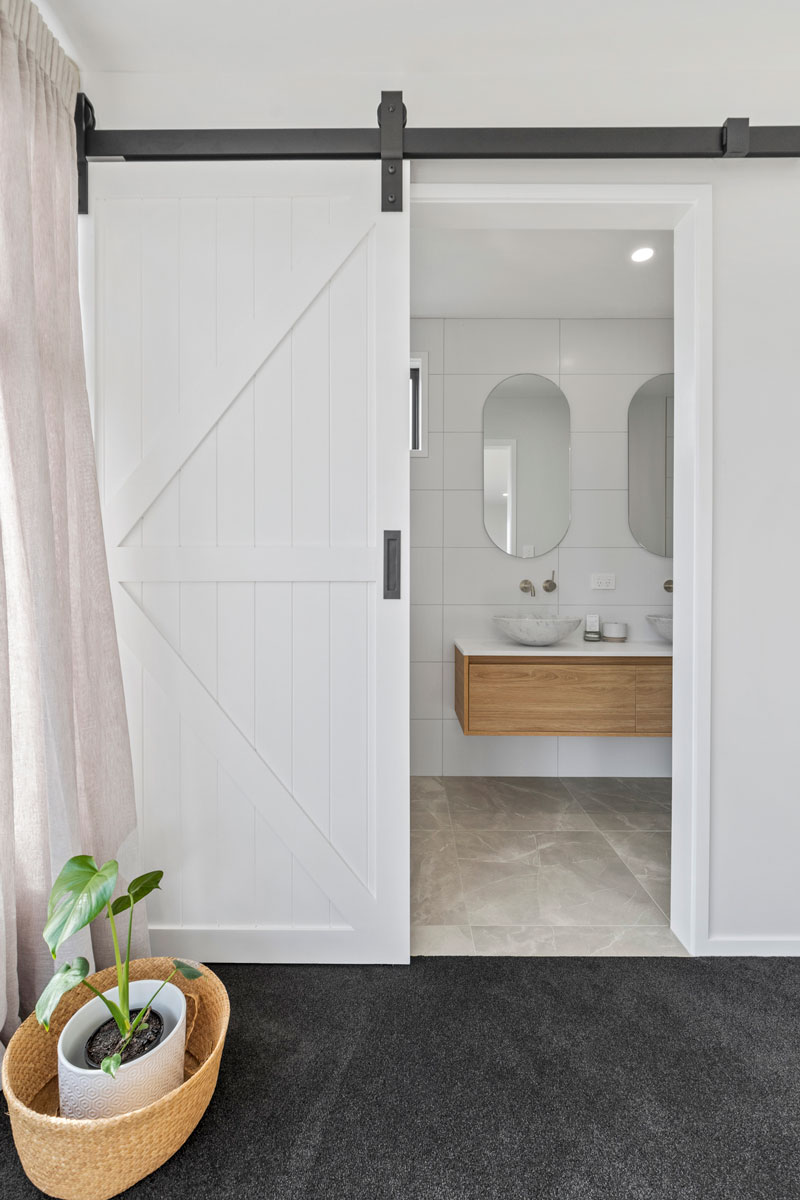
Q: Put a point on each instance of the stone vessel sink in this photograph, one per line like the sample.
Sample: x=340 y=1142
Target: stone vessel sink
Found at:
x=537 y=631
x=662 y=625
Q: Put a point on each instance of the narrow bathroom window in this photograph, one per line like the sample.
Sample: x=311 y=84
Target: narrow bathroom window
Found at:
x=418 y=405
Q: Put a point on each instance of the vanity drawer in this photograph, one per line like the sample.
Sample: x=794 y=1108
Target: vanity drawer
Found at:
x=654 y=700
x=552 y=697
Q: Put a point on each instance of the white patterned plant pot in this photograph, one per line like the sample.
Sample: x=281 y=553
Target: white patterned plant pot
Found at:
x=91 y=1094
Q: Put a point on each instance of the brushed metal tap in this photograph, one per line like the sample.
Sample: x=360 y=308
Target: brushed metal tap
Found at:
x=550 y=584
x=527 y=586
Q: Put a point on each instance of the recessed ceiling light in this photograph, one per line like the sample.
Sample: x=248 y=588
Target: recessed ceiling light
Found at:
x=643 y=253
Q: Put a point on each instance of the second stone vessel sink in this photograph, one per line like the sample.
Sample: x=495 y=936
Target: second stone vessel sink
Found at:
x=662 y=625
x=537 y=631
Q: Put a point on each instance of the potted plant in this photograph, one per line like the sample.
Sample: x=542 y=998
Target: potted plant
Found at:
x=117 y=1052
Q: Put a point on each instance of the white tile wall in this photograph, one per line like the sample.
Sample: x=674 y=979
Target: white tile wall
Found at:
x=460 y=580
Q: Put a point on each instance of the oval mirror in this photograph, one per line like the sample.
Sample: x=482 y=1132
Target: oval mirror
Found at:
x=526 y=480
x=650 y=473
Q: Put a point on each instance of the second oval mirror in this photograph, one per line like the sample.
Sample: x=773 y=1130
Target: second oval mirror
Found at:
x=526 y=480
x=650 y=453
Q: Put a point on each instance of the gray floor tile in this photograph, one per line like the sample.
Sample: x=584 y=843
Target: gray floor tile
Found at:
x=574 y=878
x=436 y=893
x=611 y=795
x=660 y=891
x=429 y=807
x=646 y=855
x=658 y=789
x=584 y=882
x=592 y=942
x=501 y=893
x=515 y=940
x=658 y=819
x=517 y=845
x=513 y=803
x=430 y=940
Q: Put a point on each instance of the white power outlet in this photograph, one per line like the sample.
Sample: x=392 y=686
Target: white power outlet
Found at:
x=604 y=583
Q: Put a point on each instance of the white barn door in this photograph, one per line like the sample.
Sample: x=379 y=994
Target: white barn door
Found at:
x=251 y=400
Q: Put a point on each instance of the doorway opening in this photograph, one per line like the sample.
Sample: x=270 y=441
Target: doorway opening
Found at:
x=542 y=778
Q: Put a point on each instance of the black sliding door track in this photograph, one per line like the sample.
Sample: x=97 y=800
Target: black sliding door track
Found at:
x=391 y=143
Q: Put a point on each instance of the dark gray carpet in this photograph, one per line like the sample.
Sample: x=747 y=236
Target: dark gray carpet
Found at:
x=485 y=1077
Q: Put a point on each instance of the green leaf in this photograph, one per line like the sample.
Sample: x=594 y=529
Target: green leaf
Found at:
x=73 y=874
x=186 y=971
x=138 y=888
x=122 y=1022
x=64 y=980
x=111 y=1065
x=143 y=885
x=82 y=892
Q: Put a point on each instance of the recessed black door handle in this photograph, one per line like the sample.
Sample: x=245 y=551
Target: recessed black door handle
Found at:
x=391 y=564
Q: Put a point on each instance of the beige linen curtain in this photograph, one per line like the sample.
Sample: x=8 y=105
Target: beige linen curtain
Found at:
x=65 y=767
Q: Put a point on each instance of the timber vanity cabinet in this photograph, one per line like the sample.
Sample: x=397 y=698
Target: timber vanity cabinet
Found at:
x=600 y=692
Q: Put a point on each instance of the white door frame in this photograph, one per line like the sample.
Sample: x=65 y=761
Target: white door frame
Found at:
x=686 y=210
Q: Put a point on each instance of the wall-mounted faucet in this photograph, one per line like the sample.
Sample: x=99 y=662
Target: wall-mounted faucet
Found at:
x=550 y=584
x=527 y=586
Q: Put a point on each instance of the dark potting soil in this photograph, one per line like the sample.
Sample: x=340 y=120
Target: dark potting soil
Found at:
x=105 y=1040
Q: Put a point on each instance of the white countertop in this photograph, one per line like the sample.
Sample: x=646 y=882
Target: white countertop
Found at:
x=500 y=646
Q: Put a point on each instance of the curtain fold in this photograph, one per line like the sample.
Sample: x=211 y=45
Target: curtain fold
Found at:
x=66 y=784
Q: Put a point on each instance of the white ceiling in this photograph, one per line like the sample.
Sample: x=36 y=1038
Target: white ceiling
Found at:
x=539 y=273
x=362 y=36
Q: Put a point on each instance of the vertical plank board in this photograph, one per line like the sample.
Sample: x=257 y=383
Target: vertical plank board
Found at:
x=272 y=251
x=310 y=229
x=160 y=317
x=132 y=685
x=272 y=448
x=348 y=382
x=161 y=847
x=134 y=536
x=200 y=875
x=198 y=625
x=337 y=920
x=236 y=666
x=161 y=601
x=198 y=293
x=348 y=746
x=235 y=854
x=273 y=675
x=198 y=489
x=235 y=454
x=121 y=361
x=311 y=908
x=311 y=422
x=235 y=270
x=198 y=355
x=273 y=878
x=311 y=700
x=160 y=524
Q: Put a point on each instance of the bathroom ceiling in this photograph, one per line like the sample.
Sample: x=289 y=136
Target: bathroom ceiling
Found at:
x=539 y=273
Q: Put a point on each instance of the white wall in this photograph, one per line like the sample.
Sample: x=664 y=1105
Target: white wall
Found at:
x=460 y=579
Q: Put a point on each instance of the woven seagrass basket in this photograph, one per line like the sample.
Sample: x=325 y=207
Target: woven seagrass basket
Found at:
x=92 y=1160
